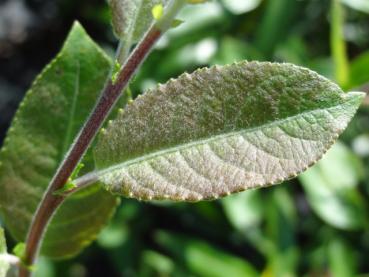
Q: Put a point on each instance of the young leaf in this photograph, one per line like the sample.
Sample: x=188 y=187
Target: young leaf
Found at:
x=4 y=264
x=222 y=130
x=132 y=18
x=51 y=114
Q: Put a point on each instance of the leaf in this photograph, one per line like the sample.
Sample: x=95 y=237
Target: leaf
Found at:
x=341 y=258
x=202 y=259
x=331 y=191
x=244 y=210
x=51 y=114
x=280 y=247
x=222 y=130
x=275 y=24
x=132 y=18
x=232 y=50
x=359 y=70
x=240 y=7
x=4 y=264
x=360 y=5
x=155 y=264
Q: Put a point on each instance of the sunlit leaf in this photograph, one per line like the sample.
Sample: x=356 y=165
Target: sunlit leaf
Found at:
x=4 y=264
x=331 y=189
x=222 y=130
x=244 y=210
x=360 y=5
x=51 y=114
x=240 y=7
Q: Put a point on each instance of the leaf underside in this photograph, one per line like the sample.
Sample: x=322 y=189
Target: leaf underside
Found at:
x=4 y=265
x=51 y=114
x=222 y=130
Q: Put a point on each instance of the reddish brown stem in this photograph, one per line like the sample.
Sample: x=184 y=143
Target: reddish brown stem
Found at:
x=109 y=96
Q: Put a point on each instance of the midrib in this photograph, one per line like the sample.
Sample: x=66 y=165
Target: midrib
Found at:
x=205 y=141
x=68 y=136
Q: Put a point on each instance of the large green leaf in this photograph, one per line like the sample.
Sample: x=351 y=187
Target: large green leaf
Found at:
x=222 y=130
x=51 y=114
x=331 y=189
x=4 y=265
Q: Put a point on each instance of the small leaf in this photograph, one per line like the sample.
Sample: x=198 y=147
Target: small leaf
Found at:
x=66 y=188
x=176 y=23
x=222 y=130
x=4 y=263
x=330 y=187
x=19 y=250
x=49 y=117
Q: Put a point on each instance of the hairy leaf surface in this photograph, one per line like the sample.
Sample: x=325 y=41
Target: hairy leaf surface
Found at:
x=223 y=130
x=4 y=265
x=51 y=114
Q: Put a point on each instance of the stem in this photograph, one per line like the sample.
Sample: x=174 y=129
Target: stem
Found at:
x=83 y=182
x=109 y=96
x=338 y=44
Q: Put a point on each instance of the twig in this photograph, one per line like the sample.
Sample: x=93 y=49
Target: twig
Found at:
x=109 y=96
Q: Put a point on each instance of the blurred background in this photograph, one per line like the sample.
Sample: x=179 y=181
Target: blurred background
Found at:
x=315 y=225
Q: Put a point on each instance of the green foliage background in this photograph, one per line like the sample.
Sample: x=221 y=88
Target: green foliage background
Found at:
x=316 y=225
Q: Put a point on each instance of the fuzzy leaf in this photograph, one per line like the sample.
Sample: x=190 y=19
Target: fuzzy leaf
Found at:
x=51 y=114
x=223 y=130
x=4 y=265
